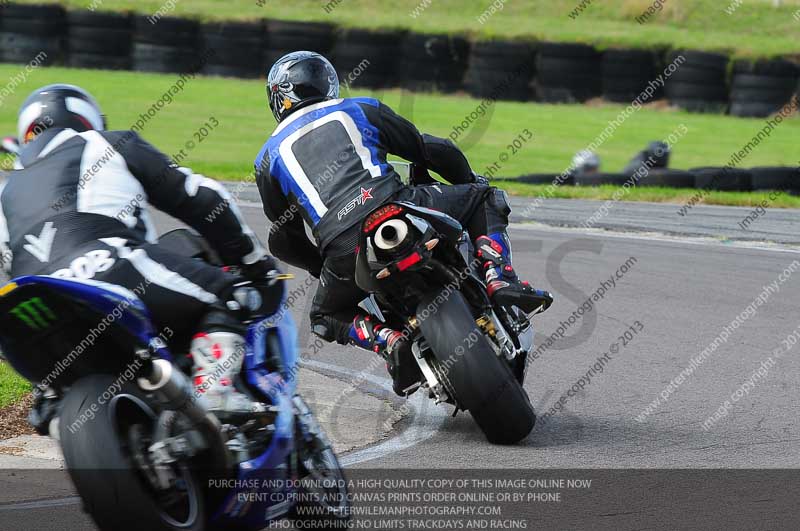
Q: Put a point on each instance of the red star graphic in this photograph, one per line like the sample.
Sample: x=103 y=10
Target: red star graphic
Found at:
x=366 y=194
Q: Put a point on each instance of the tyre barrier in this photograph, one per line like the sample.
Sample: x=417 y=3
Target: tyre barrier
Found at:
x=761 y=88
x=599 y=179
x=32 y=32
x=545 y=178
x=165 y=45
x=501 y=70
x=723 y=179
x=99 y=40
x=234 y=49
x=433 y=62
x=776 y=178
x=367 y=58
x=668 y=179
x=568 y=73
x=783 y=178
x=626 y=73
x=699 y=83
x=284 y=36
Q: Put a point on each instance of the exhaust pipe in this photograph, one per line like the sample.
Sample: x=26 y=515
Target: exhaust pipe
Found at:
x=175 y=392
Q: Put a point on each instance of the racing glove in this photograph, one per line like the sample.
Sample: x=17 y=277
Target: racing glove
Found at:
x=479 y=179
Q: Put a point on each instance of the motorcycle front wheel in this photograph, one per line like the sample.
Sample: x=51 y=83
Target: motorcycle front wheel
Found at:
x=324 y=498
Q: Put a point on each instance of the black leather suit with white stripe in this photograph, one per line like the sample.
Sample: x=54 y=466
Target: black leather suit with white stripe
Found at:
x=77 y=206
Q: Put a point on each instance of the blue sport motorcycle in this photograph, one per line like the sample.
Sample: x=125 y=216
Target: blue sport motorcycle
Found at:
x=140 y=446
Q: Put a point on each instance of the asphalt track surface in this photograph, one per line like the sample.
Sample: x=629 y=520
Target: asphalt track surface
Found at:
x=683 y=293
x=718 y=222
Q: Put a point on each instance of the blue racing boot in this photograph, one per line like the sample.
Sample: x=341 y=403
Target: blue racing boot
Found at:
x=391 y=346
x=502 y=283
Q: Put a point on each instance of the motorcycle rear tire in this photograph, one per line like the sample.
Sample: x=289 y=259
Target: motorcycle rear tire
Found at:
x=113 y=490
x=483 y=383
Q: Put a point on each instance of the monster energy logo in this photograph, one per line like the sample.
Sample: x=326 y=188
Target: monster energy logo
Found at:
x=34 y=313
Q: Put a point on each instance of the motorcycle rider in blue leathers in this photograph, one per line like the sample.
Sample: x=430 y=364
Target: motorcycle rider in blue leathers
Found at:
x=324 y=169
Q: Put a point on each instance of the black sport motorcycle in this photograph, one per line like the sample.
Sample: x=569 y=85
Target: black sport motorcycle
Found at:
x=418 y=266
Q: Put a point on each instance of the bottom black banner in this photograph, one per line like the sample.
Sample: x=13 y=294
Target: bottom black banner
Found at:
x=433 y=499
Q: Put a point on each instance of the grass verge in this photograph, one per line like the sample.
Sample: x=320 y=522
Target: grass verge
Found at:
x=12 y=386
x=558 y=131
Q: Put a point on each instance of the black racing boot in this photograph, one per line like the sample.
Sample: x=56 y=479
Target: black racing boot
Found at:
x=502 y=283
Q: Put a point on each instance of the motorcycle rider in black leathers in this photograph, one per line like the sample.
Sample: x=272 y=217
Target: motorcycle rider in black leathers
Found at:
x=77 y=206
x=324 y=168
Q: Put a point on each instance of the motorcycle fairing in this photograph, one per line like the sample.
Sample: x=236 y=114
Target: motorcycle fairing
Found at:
x=47 y=324
x=269 y=470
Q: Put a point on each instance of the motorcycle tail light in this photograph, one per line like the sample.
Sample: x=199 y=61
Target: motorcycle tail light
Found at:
x=409 y=261
x=375 y=219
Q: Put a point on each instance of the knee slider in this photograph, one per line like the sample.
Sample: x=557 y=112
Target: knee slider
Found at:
x=498 y=199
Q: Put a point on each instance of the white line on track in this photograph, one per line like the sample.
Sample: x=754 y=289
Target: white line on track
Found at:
x=42 y=504
x=426 y=418
x=643 y=235
x=661 y=237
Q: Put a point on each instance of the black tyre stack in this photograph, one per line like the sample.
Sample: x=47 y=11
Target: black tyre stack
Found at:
x=699 y=83
x=31 y=32
x=723 y=179
x=233 y=48
x=626 y=73
x=541 y=178
x=785 y=178
x=368 y=58
x=668 y=178
x=760 y=88
x=286 y=36
x=99 y=40
x=568 y=73
x=598 y=179
x=168 y=45
x=433 y=62
x=501 y=70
